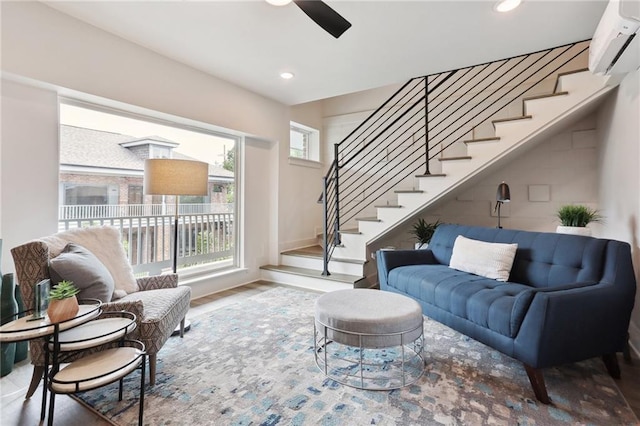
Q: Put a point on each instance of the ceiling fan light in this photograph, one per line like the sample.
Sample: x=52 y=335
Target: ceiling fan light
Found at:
x=278 y=2
x=506 y=5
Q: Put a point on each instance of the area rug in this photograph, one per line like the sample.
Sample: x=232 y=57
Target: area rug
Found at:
x=252 y=363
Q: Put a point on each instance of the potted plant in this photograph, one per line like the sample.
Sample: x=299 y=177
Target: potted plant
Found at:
x=575 y=218
x=63 y=304
x=423 y=231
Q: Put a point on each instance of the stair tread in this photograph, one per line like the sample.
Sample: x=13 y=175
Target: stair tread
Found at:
x=388 y=206
x=548 y=95
x=368 y=219
x=579 y=70
x=495 y=138
x=431 y=175
x=349 y=231
x=408 y=191
x=317 y=252
x=464 y=157
x=344 y=278
x=502 y=120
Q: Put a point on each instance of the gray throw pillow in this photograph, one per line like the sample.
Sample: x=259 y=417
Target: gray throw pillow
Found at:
x=88 y=274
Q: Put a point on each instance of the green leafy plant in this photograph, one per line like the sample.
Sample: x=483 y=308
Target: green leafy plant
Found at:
x=578 y=215
x=423 y=230
x=63 y=290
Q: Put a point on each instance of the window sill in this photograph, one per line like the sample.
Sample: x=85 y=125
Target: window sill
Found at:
x=294 y=161
x=205 y=275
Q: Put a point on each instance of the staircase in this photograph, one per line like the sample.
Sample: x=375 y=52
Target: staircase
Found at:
x=403 y=176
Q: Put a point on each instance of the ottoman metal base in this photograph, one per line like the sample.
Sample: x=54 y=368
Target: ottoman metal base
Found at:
x=388 y=356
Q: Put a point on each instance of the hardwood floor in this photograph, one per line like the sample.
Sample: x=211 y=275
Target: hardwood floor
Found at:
x=14 y=410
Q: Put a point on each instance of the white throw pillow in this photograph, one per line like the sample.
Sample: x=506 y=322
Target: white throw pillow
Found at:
x=104 y=242
x=491 y=260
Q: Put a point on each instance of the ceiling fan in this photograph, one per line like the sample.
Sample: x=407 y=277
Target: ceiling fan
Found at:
x=323 y=15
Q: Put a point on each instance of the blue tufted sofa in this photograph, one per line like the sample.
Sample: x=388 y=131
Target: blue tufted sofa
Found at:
x=568 y=298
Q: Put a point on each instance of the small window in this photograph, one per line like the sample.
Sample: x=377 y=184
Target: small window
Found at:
x=136 y=195
x=304 y=142
x=160 y=152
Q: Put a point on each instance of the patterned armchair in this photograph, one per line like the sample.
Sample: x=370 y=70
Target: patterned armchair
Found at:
x=159 y=303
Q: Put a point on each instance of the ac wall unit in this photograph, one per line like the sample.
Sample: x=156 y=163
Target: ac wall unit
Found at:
x=615 y=46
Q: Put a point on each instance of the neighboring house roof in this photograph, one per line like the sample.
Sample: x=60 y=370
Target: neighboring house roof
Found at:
x=96 y=148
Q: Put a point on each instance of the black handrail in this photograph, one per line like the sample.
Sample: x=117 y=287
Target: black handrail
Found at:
x=423 y=118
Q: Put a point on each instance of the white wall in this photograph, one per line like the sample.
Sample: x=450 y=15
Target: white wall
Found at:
x=619 y=184
x=42 y=45
x=564 y=166
x=304 y=179
x=28 y=166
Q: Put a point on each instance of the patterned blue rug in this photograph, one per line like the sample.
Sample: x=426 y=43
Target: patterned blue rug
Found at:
x=252 y=363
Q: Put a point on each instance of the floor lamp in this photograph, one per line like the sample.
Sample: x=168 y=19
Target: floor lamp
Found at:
x=164 y=176
x=503 y=195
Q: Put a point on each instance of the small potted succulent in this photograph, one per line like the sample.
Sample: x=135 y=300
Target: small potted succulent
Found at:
x=63 y=304
x=423 y=231
x=575 y=218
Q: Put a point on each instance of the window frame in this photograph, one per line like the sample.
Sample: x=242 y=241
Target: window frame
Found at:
x=312 y=145
x=156 y=117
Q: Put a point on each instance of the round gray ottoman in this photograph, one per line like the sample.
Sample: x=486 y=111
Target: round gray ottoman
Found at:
x=369 y=339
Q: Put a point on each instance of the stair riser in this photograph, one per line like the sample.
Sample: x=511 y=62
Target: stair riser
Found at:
x=317 y=264
x=410 y=201
x=573 y=83
x=370 y=227
x=311 y=283
x=354 y=247
x=433 y=186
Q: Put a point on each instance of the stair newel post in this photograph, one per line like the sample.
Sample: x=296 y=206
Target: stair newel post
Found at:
x=325 y=221
x=426 y=125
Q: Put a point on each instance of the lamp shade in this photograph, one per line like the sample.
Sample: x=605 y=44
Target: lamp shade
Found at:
x=503 y=194
x=175 y=177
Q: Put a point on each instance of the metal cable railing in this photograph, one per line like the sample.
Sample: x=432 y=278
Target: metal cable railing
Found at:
x=424 y=119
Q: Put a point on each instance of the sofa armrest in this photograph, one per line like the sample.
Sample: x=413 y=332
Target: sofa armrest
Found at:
x=390 y=259
x=571 y=325
x=156 y=282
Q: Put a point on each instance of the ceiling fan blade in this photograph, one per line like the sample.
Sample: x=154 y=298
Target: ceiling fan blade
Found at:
x=323 y=15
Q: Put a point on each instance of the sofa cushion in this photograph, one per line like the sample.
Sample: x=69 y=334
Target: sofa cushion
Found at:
x=88 y=274
x=498 y=306
x=490 y=260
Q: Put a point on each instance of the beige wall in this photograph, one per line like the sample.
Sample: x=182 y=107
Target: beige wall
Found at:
x=619 y=183
x=29 y=166
x=564 y=167
x=46 y=53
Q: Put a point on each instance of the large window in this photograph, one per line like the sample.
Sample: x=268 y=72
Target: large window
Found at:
x=102 y=155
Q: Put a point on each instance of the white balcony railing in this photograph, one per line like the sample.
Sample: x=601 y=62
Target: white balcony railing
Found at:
x=205 y=232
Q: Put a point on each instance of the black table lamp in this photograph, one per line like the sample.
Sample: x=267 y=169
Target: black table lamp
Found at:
x=503 y=195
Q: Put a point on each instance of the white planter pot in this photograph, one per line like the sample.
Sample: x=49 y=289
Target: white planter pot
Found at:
x=574 y=230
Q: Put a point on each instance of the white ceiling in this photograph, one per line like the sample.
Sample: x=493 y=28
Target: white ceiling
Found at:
x=250 y=42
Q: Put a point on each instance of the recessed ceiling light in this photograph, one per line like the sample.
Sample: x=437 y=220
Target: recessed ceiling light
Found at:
x=286 y=75
x=278 y=2
x=506 y=5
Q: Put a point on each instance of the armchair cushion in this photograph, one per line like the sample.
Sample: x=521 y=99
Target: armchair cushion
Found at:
x=88 y=274
x=163 y=310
